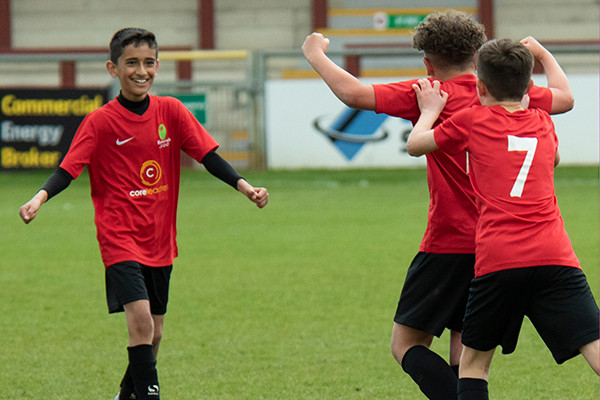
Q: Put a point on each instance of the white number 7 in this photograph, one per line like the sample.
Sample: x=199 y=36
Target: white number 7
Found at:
x=529 y=145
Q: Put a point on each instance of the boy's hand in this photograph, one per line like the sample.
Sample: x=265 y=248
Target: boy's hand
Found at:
x=534 y=47
x=430 y=97
x=29 y=210
x=313 y=44
x=258 y=196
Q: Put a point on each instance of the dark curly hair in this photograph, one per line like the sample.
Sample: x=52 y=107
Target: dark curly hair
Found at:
x=449 y=39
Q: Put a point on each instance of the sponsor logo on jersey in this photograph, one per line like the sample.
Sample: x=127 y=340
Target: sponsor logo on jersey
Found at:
x=122 y=142
x=162 y=134
x=150 y=175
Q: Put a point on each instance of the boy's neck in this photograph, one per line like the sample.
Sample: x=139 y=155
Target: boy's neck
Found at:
x=510 y=106
x=446 y=75
x=136 y=107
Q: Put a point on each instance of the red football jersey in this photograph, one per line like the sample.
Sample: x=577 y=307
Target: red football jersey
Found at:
x=134 y=168
x=452 y=216
x=511 y=166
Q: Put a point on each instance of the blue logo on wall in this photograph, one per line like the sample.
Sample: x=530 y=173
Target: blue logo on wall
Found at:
x=352 y=129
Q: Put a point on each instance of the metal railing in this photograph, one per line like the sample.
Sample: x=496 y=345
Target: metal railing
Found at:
x=233 y=82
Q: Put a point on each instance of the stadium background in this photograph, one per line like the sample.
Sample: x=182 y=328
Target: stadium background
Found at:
x=290 y=302
x=250 y=50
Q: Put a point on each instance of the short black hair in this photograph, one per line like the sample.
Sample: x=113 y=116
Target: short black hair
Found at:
x=130 y=36
x=505 y=67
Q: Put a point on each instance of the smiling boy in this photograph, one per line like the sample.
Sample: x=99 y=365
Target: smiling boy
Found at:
x=132 y=148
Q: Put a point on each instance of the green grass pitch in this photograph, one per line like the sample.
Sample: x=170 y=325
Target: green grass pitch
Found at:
x=294 y=301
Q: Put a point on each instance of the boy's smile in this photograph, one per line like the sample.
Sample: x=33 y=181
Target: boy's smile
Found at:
x=136 y=69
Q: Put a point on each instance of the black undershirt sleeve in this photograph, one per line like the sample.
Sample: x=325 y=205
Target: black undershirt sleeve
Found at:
x=221 y=169
x=57 y=182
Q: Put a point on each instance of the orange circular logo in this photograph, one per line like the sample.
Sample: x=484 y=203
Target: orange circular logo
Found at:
x=150 y=173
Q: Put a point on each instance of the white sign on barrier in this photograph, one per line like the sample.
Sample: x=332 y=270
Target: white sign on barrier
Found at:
x=308 y=127
x=578 y=130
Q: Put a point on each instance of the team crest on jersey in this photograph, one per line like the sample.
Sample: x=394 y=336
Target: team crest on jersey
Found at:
x=163 y=141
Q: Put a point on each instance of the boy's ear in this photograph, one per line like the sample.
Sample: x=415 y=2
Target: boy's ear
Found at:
x=111 y=68
x=529 y=86
x=429 y=66
x=481 y=89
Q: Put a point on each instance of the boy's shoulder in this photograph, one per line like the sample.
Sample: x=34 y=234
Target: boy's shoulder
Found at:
x=496 y=115
x=106 y=108
x=166 y=99
x=461 y=80
x=462 y=83
x=166 y=103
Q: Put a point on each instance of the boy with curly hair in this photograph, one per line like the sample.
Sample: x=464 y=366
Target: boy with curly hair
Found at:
x=436 y=287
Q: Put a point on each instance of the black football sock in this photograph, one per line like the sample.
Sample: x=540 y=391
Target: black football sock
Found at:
x=127 y=390
x=455 y=369
x=142 y=368
x=472 y=389
x=431 y=372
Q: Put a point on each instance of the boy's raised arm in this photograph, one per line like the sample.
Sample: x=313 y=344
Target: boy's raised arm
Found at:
x=344 y=85
x=562 y=97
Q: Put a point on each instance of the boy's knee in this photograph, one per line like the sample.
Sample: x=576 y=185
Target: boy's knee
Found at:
x=591 y=353
x=398 y=349
x=141 y=329
x=158 y=330
x=157 y=337
x=404 y=338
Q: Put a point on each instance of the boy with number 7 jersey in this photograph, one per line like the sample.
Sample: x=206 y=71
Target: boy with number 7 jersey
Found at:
x=525 y=263
x=428 y=305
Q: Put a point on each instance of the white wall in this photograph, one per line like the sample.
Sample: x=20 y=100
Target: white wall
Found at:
x=547 y=19
x=249 y=24
x=262 y=24
x=89 y=23
x=578 y=130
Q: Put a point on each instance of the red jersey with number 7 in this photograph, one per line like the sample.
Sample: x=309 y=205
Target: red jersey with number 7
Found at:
x=134 y=168
x=511 y=168
x=452 y=216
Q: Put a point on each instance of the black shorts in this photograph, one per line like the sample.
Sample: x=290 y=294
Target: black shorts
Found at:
x=435 y=292
x=556 y=299
x=131 y=281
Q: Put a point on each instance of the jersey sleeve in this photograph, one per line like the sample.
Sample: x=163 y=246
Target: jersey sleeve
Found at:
x=540 y=97
x=82 y=148
x=452 y=135
x=397 y=99
x=195 y=139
